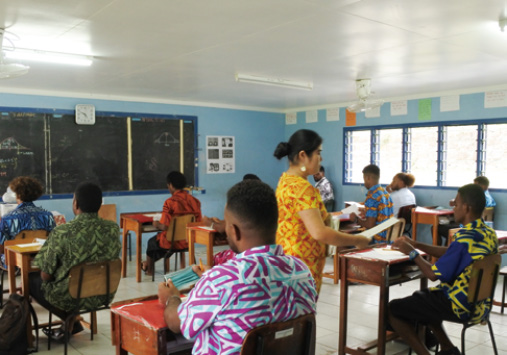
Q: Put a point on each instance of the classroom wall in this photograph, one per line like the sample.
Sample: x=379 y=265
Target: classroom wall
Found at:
x=256 y=135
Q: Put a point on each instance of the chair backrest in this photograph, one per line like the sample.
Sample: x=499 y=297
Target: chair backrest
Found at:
x=396 y=230
x=483 y=279
x=295 y=337
x=90 y=279
x=25 y=237
x=177 y=229
x=405 y=212
x=488 y=214
x=108 y=212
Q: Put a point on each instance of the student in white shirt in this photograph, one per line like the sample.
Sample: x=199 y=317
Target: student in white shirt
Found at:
x=400 y=194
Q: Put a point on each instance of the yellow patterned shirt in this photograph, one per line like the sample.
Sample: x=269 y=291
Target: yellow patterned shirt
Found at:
x=295 y=194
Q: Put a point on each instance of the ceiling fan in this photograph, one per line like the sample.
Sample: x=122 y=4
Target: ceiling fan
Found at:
x=9 y=70
x=363 y=90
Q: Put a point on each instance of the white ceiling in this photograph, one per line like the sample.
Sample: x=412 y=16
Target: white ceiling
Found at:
x=190 y=50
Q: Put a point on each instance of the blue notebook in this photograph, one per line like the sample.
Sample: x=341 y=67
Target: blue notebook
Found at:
x=183 y=279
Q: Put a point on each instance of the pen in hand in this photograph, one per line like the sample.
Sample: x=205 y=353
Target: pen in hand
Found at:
x=201 y=266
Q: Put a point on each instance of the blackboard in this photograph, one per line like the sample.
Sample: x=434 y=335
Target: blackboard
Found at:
x=156 y=151
x=121 y=152
x=88 y=153
x=22 y=150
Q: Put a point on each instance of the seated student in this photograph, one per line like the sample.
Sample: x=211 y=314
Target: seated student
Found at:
x=448 y=300
x=483 y=182
x=399 y=192
x=443 y=229
x=26 y=216
x=378 y=204
x=325 y=188
x=219 y=311
x=86 y=238
x=179 y=204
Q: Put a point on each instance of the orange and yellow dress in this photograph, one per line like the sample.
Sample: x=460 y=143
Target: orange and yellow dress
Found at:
x=295 y=194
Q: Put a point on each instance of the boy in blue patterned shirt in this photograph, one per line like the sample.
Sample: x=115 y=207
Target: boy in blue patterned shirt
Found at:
x=448 y=300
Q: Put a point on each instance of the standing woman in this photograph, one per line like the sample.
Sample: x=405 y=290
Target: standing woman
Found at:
x=302 y=231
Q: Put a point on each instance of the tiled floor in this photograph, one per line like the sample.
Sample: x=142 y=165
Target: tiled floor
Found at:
x=361 y=327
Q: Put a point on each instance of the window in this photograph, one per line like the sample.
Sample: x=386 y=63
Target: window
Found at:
x=390 y=157
x=424 y=155
x=450 y=154
x=359 y=148
x=496 y=151
x=461 y=160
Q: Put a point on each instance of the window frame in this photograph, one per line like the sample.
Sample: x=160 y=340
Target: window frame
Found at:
x=407 y=147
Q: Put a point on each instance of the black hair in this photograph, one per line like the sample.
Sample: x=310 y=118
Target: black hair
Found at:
x=177 y=179
x=254 y=203
x=250 y=177
x=473 y=196
x=371 y=169
x=482 y=180
x=88 y=197
x=303 y=139
x=322 y=169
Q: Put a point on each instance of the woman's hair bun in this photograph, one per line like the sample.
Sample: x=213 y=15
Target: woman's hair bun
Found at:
x=282 y=150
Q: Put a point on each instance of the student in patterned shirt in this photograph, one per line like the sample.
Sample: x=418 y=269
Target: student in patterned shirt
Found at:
x=84 y=239
x=378 y=204
x=261 y=285
x=448 y=300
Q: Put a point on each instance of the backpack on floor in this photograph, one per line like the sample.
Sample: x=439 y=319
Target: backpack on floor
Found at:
x=13 y=336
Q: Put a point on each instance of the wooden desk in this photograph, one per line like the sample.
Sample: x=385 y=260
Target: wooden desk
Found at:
x=428 y=216
x=20 y=256
x=355 y=267
x=136 y=223
x=200 y=235
x=138 y=327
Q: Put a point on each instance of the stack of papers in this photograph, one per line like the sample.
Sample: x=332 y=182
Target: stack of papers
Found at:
x=183 y=279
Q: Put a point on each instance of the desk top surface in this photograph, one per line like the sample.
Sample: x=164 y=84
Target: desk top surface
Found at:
x=439 y=212
x=150 y=313
x=28 y=248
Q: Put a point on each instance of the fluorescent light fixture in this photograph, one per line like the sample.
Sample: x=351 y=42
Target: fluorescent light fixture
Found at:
x=254 y=79
x=49 y=57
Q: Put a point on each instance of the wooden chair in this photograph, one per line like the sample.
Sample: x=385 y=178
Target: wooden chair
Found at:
x=23 y=237
x=90 y=279
x=176 y=231
x=452 y=232
x=395 y=231
x=295 y=337
x=108 y=212
x=482 y=288
x=405 y=212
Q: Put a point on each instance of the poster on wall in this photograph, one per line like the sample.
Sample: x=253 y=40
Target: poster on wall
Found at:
x=220 y=155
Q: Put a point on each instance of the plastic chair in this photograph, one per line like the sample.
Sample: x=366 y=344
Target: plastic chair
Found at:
x=295 y=337
x=23 y=237
x=91 y=279
x=176 y=231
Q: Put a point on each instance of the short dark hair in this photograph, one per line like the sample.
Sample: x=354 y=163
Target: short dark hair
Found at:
x=88 y=197
x=473 y=196
x=177 y=179
x=303 y=139
x=250 y=177
x=26 y=188
x=254 y=203
x=371 y=169
x=482 y=180
x=322 y=170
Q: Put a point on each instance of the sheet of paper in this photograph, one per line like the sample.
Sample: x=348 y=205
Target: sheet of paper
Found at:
x=354 y=208
x=379 y=228
x=27 y=245
x=206 y=228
